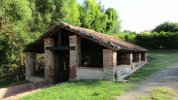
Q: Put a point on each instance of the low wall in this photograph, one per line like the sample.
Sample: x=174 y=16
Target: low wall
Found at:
x=35 y=79
x=89 y=73
x=15 y=90
x=123 y=71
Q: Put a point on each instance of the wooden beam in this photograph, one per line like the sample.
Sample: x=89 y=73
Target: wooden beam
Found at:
x=59 y=38
x=61 y=48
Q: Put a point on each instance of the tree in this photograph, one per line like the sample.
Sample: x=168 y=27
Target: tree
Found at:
x=47 y=12
x=127 y=31
x=112 y=19
x=116 y=27
x=15 y=18
x=166 y=27
x=70 y=13
x=21 y=22
x=92 y=16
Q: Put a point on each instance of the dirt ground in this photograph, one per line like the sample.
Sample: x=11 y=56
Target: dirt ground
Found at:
x=16 y=92
x=164 y=78
x=17 y=97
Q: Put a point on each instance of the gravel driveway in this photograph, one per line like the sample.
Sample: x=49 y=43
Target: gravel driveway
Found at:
x=164 y=78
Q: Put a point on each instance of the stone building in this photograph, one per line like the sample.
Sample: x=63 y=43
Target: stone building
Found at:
x=75 y=53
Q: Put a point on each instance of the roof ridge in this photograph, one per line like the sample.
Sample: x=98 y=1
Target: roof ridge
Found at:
x=106 y=40
x=63 y=23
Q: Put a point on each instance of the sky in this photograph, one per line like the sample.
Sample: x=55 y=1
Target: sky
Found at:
x=141 y=15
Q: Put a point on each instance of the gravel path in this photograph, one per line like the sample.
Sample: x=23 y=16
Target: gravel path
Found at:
x=164 y=78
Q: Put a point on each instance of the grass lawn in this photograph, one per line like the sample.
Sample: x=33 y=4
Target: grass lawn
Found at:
x=104 y=90
x=161 y=93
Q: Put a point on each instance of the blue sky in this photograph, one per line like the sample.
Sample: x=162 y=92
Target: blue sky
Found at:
x=140 y=15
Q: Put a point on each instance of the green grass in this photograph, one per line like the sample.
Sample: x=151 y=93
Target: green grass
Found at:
x=161 y=93
x=157 y=60
x=81 y=90
x=104 y=90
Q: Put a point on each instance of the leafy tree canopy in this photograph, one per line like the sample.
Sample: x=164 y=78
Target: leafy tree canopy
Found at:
x=112 y=19
x=166 y=27
x=116 y=27
x=93 y=16
x=23 y=21
x=47 y=12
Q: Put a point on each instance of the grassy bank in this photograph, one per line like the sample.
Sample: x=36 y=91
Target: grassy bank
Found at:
x=104 y=90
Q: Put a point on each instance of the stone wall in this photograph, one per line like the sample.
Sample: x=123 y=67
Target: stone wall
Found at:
x=119 y=72
x=123 y=71
x=89 y=73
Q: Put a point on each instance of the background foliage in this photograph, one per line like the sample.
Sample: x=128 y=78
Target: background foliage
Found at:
x=15 y=17
x=21 y=22
x=93 y=16
x=164 y=36
x=166 y=27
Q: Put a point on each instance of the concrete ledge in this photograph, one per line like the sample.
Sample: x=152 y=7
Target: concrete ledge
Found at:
x=88 y=73
x=36 y=79
x=123 y=71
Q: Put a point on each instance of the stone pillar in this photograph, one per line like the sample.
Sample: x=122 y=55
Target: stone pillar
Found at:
x=49 y=60
x=75 y=55
x=56 y=68
x=30 y=64
x=143 y=57
x=138 y=57
x=129 y=58
x=109 y=62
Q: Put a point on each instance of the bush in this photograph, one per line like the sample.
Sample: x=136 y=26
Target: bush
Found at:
x=162 y=40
